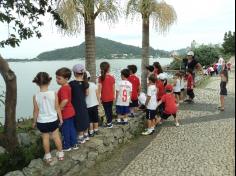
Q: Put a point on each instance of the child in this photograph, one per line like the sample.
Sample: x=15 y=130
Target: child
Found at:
x=79 y=90
x=170 y=105
x=151 y=105
x=123 y=94
x=67 y=110
x=106 y=89
x=223 y=90
x=46 y=113
x=190 y=84
x=92 y=101
x=157 y=68
x=136 y=87
x=177 y=87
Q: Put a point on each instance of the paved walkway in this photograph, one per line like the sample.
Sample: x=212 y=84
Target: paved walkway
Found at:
x=202 y=146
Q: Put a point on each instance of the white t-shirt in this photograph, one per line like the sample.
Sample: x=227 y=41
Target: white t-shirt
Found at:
x=142 y=98
x=177 y=87
x=91 y=99
x=152 y=92
x=124 y=89
x=46 y=105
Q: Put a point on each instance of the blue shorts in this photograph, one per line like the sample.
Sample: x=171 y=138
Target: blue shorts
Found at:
x=122 y=110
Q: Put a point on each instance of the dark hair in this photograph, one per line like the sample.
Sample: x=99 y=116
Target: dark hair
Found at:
x=168 y=91
x=64 y=72
x=178 y=74
x=104 y=66
x=189 y=70
x=158 y=66
x=85 y=77
x=152 y=78
x=42 y=78
x=132 y=68
x=125 y=73
x=150 y=68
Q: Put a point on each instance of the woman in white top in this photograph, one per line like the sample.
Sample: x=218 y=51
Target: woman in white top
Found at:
x=177 y=87
x=46 y=113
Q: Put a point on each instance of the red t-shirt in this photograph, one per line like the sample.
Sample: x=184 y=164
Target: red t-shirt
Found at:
x=161 y=89
x=170 y=104
x=68 y=110
x=189 y=81
x=107 y=92
x=134 y=80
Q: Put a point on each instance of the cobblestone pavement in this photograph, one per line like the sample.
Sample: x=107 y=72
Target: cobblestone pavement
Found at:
x=203 y=145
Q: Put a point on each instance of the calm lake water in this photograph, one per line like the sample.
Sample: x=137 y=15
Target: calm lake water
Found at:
x=26 y=71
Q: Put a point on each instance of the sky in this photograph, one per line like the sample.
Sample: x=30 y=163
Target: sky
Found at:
x=204 y=21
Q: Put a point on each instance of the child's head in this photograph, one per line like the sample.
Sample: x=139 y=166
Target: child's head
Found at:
x=42 y=79
x=189 y=71
x=132 y=69
x=150 y=68
x=177 y=75
x=168 y=88
x=124 y=74
x=78 y=70
x=105 y=67
x=157 y=65
x=152 y=79
x=63 y=75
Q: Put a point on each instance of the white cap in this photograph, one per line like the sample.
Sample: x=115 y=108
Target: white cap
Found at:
x=162 y=76
x=88 y=74
x=190 y=53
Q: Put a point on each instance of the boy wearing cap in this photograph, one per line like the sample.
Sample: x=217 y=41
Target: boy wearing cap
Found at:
x=170 y=105
x=92 y=101
x=79 y=91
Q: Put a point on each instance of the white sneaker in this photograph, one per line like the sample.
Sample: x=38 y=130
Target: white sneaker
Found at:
x=177 y=124
x=147 y=132
x=67 y=150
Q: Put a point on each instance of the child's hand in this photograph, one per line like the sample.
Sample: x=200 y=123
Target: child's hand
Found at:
x=61 y=122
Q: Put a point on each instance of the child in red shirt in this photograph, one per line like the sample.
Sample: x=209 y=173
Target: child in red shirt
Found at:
x=190 y=85
x=136 y=87
x=106 y=88
x=170 y=107
x=68 y=113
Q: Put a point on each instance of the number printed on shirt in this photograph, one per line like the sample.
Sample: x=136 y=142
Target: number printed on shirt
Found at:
x=124 y=95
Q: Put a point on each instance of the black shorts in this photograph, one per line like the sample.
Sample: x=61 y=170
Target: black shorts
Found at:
x=133 y=104
x=48 y=127
x=93 y=114
x=223 y=90
x=150 y=114
x=190 y=93
x=160 y=109
x=177 y=93
x=166 y=116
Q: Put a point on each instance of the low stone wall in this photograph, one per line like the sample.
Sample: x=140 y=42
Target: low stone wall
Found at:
x=78 y=161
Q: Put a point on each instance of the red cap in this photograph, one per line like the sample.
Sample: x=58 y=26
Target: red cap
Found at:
x=169 y=87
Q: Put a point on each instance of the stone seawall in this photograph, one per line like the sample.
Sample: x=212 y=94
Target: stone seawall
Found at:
x=78 y=161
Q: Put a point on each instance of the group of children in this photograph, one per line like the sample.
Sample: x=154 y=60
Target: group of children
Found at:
x=73 y=110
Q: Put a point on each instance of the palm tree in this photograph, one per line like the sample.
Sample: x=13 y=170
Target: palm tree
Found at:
x=75 y=13
x=163 y=16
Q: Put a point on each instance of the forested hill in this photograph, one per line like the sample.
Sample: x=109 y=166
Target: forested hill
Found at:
x=105 y=48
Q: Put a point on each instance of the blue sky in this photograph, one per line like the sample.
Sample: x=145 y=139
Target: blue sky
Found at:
x=204 y=21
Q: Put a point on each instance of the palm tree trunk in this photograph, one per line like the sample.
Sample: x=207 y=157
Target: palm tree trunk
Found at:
x=145 y=52
x=10 y=105
x=90 y=48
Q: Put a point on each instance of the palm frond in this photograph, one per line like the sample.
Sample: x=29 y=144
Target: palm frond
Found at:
x=107 y=10
x=163 y=16
x=71 y=12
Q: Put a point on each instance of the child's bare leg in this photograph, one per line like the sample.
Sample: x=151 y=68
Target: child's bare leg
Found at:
x=95 y=126
x=91 y=127
x=222 y=102
x=149 y=124
x=57 y=139
x=46 y=142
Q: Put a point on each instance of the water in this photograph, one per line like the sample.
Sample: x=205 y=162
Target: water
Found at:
x=26 y=71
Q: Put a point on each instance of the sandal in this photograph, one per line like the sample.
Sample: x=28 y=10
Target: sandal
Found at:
x=48 y=158
x=60 y=156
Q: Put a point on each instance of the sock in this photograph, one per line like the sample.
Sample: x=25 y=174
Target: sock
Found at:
x=81 y=137
x=118 y=120
x=91 y=131
x=95 y=130
x=125 y=120
x=85 y=134
x=150 y=129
